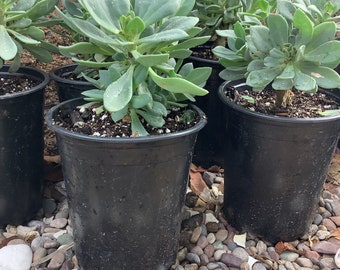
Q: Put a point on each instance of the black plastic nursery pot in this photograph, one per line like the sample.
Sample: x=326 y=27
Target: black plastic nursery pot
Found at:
x=21 y=149
x=209 y=144
x=125 y=194
x=68 y=88
x=274 y=169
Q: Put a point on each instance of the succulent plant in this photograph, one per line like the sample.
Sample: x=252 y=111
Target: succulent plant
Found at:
x=139 y=54
x=317 y=10
x=20 y=28
x=223 y=14
x=283 y=54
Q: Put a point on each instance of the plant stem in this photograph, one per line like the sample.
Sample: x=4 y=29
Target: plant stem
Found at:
x=284 y=98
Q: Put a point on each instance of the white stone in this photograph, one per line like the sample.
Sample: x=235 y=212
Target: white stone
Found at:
x=209 y=217
x=15 y=257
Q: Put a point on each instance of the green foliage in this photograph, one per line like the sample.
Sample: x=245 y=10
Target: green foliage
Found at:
x=20 y=23
x=284 y=53
x=223 y=14
x=138 y=47
x=318 y=11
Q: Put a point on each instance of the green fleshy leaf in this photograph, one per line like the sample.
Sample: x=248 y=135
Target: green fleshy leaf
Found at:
x=150 y=59
x=305 y=26
x=329 y=112
x=259 y=79
x=282 y=84
x=177 y=85
x=107 y=12
x=83 y=48
x=325 y=77
x=152 y=119
x=304 y=82
x=8 y=48
x=136 y=125
x=140 y=101
x=135 y=27
x=278 y=28
x=23 y=38
x=323 y=32
x=260 y=37
x=93 y=95
x=199 y=76
x=159 y=108
x=119 y=115
x=119 y=93
x=165 y=36
x=152 y=11
x=328 y=52
x=190 y=43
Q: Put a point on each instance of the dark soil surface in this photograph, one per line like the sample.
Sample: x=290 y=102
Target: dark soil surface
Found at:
x=88 y=122
x=17 y=84
x=304 y=105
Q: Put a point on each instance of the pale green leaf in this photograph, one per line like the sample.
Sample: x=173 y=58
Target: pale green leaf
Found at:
x=84 y=48
x=328 y=52
x=182 y=23
x=150 y=59
x=261 y=38
x=177 y=85
x=278 y=28
x=107 y=12
x=325 y=77
x=136 y=126
x=305 y=26
x=329 y=112
x=93 y=95
x=24 y=39
x=259 y=79
x=190 y=43
x=152 y=11
x=283 y=83
x=185 y=7
x=323 y=32
x=117 y=116
x=119 y=93
x=140 y=101
x=152 y=119
x=199 y=76
x=8 y=49
x=304 y=82
x=165 y=36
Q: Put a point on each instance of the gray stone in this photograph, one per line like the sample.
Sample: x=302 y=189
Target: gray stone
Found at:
x=325 y=247
x=289 y=256
x=241 y=253
x=231 y=260
x=221 y=235
x=56 y=261
x=258 y=266
x=208 y=178
x=194 y=258
x=59 y=223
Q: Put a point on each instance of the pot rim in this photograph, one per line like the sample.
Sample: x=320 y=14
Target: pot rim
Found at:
x=56 y=73
x=62 y=131
x=31 y=72
x=265 y=117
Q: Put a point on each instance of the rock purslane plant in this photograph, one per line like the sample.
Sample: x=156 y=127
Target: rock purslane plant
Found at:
x=138 y=47
x=284 y=53
x=20 y=28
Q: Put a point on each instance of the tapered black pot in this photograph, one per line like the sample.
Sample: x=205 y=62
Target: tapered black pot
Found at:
x=125 y=195
x=21 y=149
x=274 y=169
x=68 y=88
x=209 y=145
